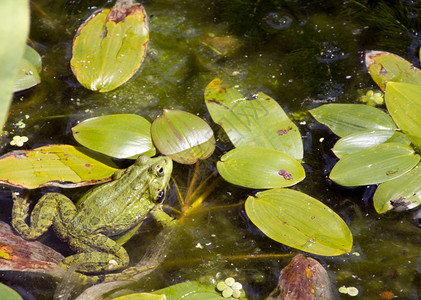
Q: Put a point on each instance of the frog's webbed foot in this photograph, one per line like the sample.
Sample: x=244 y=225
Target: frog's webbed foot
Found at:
x=97 y=253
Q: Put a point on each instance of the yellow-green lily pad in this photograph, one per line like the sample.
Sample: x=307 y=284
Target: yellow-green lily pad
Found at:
x=260 y=168
x=54 y=165
x=119 y=135
x=110 y=46
x=299 y=221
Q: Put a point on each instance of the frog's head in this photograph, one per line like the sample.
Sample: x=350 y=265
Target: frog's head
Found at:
x=159 y=169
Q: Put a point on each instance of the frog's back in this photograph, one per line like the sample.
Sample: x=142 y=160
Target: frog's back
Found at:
x=117 y=206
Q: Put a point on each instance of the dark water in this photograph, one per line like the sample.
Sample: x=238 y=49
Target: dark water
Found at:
x=301 y=53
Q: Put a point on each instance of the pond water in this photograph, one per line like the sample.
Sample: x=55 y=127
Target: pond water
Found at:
x=301 y=53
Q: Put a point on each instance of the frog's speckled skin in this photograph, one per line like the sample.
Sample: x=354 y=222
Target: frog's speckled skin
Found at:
x=106 y=210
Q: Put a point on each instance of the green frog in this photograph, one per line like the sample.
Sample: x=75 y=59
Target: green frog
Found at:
x=111 y=209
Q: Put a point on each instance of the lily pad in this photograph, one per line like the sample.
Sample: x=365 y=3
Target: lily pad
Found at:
x=299 y=221
x=365 y=139
x=403 y=101
x=260 y=168
x=110 y=46
x=256 y=122
x=346 y=119
x=374 y=165
x=120 y=135
x=54 y=165
x=400 y=194
x=29 y=68
x=384 y=67
x=192 y=290
x=183 y=136
x=8 y=293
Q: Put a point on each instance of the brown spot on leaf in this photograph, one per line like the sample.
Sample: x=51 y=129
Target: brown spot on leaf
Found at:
x=213 y=100
x=122 y=10
x=88 y=165
x=285 y=174
x=284 y=131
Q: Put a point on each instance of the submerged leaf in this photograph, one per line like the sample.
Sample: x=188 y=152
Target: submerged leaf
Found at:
x=260 y=168
x=54 y=165
x=374 y=165
x=183 y=136
x=346 y=119
x=384 y=67
x=299 y=221
x=403 y=101
x=304 y=278
x=402 y=193
x=120 y=135
x=257 y=122
x=110 y=46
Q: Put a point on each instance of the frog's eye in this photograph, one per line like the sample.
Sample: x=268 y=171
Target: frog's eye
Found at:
x=159 y=171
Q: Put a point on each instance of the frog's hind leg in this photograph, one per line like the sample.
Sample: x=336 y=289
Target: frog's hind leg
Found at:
x=42 y=215
x=97 y=253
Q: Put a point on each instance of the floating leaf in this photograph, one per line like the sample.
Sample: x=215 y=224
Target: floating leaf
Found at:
x=400 y=194
x=183 y=136
x=110 y=46
x=13 y=35
x=260 y=168
x=361 y=140
x=299 y=221
x=346 y=119
x=54 y=165
x=374 y=165
x=120 y=135
x=403 y=101
x=257 y=122
x=192 y=290
x=384 y=67
x=8 y=293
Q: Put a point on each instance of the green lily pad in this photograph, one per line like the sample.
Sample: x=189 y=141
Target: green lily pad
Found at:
x=346 y=119
x=8 y=294
x=402 y=193
x=54 y=165
x=403 y=101
x=119 y=135
x=192 y=290
x=184 y=137
x=299 y=221
x=257 y=122
x=374 y=165
x=110 y=46
x=13 y=35
x=260 y=168
x=27 y=76
x=364 y=139
x=29 y=68
x=384 y=67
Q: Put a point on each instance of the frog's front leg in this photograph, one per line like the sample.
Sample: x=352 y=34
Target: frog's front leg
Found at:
x=97 y=253
x=43 y=215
